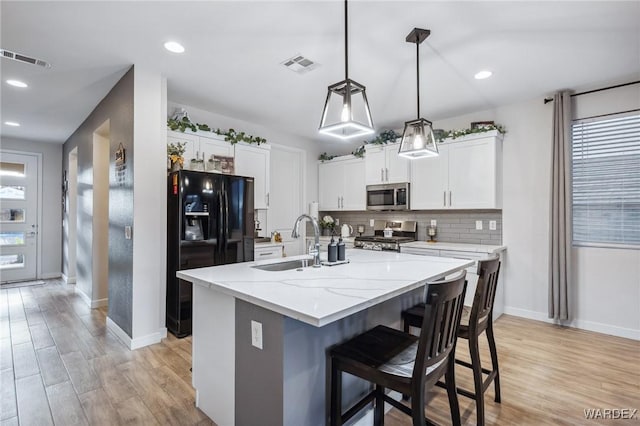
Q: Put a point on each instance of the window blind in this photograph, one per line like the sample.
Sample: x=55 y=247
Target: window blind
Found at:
x=606 y=180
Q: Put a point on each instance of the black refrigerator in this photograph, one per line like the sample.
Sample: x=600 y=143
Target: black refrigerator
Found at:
x=210 y=221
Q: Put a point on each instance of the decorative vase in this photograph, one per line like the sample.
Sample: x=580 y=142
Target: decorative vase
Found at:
x=326 y=232
x=175 y=166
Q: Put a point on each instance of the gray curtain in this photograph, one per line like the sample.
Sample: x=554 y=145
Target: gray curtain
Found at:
x=560 y=221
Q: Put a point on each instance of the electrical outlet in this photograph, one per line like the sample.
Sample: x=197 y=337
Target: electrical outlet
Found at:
x=433 y=222
x=478 y=225
x=371 y=222
x=337 y=222
x=492 y=225
x=256 y=334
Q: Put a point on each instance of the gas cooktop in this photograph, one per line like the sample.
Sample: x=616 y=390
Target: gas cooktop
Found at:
x=405 y=232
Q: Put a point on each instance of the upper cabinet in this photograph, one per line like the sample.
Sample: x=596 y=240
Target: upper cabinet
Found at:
x=253 y=160
x=341 y=184
x=199 y=143
x=250 y=160
x=384 y=165
x=466 y=175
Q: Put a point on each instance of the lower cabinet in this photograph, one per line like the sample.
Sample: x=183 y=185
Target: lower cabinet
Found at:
x=472 y=273
x=267 y=251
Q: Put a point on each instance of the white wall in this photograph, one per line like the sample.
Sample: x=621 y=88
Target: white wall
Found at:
x=72 y=205
x=605 y=295
x=100 y=223
x=150 y=208
x=51 y=205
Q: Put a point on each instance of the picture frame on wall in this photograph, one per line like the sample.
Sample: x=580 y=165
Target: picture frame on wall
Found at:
x=479 y=124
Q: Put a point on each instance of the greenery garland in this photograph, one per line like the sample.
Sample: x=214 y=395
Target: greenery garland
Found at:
x=390 y=136
x=230 y=135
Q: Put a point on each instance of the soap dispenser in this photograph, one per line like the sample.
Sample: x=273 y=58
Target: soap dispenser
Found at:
x=341 y=250
x=332 y=252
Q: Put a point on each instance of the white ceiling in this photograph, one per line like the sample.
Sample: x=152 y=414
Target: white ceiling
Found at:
x=234 y=49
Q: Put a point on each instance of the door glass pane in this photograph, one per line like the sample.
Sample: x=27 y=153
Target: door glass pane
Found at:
x=11 y=169
x=11 y=261
x=12 y=239
x=12 y=215
x=10 y=192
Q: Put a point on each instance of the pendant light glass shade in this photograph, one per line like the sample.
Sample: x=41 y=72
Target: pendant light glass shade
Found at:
x=418 y=140
x=346 y=111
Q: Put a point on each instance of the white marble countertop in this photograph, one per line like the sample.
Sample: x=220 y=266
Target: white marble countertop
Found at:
x=476 y=248
x=319 y=296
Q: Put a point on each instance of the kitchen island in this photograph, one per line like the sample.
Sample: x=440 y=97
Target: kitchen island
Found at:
x=260 y=337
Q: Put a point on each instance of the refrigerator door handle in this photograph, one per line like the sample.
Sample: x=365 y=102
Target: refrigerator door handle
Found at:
x=219 y=224
x=226 y=220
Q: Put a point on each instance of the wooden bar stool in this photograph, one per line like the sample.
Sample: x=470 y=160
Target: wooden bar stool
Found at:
x=409 y=364
x=474 y=321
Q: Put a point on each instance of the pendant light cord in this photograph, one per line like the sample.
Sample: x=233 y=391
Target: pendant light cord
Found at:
x=346 y=42
x=418 y=73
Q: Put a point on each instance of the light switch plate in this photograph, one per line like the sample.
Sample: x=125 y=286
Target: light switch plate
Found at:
x=256 y=334
x=371 y=222
x=492 y=225
x=433 y=222
x=478 y=225
x=127 y=232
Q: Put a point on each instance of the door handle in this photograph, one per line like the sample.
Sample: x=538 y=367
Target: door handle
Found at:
x=381 y=175
x=386 y=171
x=338 y=201
x=444 y=198
x=267 y=197
x=449 y=198
x=342 y=202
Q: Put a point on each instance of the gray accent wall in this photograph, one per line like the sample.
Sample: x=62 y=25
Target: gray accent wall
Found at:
x=117 y=107
x=453 y=226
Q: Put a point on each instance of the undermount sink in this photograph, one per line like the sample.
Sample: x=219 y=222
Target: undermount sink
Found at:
x=285 y=266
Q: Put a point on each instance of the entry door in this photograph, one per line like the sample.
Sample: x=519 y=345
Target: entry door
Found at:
x=18 y=216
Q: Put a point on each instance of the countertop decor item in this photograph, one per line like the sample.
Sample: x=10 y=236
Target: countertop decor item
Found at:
x=418 y=140
x=346 y=112
x=328 y=224
x=174 y=155
x=431 y=232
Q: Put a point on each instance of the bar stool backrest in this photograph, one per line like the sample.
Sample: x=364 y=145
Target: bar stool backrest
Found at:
x=482 y=308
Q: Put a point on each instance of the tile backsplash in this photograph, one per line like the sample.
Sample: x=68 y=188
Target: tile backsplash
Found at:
x=452 y=226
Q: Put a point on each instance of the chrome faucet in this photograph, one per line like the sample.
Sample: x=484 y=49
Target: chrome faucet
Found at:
x=315 y=251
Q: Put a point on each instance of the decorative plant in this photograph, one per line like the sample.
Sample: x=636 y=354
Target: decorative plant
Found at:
x=175 y=152
x=384 y=137
x=326 y=157
x=453 y=134
x=359 y=152
x=230 y=135
x=327 y=222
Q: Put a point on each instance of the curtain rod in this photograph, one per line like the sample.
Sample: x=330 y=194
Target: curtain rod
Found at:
x=547 y=100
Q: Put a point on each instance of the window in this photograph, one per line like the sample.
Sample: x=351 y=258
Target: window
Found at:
x=606 y=180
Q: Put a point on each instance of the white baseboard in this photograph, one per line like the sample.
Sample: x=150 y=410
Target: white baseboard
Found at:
x=598 y=327
x=68 y=280
x=138 y=342
x=50 y=275
x=98 y=303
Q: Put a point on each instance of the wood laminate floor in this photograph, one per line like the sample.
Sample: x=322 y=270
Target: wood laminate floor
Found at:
x=59 y=365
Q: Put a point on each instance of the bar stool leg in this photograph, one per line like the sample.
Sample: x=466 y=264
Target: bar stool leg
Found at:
x=450 y=382
x=378 y=413
x=477 y=377
x=336 y=395
x=494 y=360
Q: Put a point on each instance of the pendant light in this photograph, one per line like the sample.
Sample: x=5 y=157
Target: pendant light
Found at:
x=346 y=111
x=418 y=140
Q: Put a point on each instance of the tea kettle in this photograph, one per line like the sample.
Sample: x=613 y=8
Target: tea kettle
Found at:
x=346 y=230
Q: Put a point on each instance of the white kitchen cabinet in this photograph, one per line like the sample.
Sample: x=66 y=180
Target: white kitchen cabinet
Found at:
x=199 y=143
x=254 y=160
x=384 y=165
x=466 y=175
x=263 y=251
x=341 y=184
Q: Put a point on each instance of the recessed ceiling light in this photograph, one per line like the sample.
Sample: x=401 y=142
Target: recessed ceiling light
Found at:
x=17 y=83
x=482 y=75
x=173 y=46
x=12 y=123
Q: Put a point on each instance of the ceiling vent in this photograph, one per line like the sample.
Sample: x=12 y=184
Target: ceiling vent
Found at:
x=23 y=58
x=299 y=64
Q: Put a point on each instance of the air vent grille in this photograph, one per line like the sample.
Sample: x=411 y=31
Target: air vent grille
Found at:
x=299 y=64
x=23 y=58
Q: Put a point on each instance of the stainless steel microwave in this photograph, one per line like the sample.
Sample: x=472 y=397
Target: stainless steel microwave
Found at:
x=391 y=196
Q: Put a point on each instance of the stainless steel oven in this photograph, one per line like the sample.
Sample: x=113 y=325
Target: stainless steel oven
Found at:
x=392 y=196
